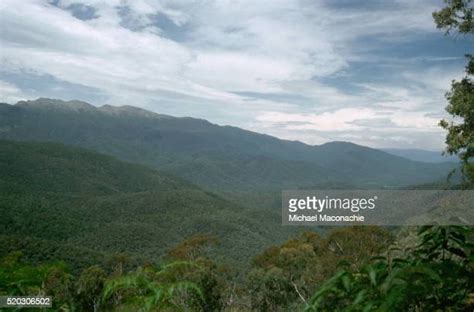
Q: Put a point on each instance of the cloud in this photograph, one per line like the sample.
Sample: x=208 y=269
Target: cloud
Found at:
x=350 y=119
x=286 y=67
x=9 y=93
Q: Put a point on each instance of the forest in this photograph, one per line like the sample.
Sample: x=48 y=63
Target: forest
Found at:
x=349 y=269
x=100 y=234
x=121 y=209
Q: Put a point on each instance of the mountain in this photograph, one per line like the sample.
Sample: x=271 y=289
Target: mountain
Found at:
x=81 y=206
x=214 y=157
x=421 y=155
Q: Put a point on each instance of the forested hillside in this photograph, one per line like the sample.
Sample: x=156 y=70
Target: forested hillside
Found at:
x=59 y=202
x=421 y=155
x=214 y=157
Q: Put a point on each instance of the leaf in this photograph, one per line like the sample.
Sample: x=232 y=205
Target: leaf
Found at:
x=372 y=276
x=457 y=252
x=360 y=297
x=424 y=229
x=346 y=282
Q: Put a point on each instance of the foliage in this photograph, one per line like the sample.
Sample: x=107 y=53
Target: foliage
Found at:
x=171 y=286
x=20 y=278
x=437 y=276
x=342 y=274
x=89 y=287
x=458 y=16
x=212 y=278
x=192 y=248
x=283 y=277
x=17 y=278
x=147 y=289
x=65 y=203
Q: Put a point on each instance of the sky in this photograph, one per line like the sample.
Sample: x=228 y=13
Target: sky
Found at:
x=373 y=72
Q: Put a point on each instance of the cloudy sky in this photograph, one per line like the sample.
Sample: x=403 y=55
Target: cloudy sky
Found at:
x=315 y=71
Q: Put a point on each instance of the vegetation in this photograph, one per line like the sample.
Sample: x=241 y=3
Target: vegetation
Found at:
x=67 y=223
x=213 y=157
x=350 y=269
x=437 y=275
x=284 y=277
x=458 y=16
x=149 y=289
x=100 y=234
x=92 y=232
x=75 y=205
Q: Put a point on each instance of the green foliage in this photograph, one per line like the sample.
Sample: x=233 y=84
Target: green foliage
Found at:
x=89 y=287
x=20 y=278
x=146 y=289
x=437 y=276
x=177 y=285
x=458 y=16
x=212 y=278
x=284 y=276
x=356 y=245
x=71 y=204
x=103 y=217
x=150 y=290
x=460 y=137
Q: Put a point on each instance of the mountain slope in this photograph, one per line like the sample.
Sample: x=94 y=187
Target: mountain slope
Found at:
x=80 y=201
x=214 y=157
x=421 y=155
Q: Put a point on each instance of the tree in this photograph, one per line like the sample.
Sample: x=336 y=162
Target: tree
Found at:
x=356 y=245
x=192 y=248
x=208 y=276
x=89 y=288
x=19 y=278
x=59 y=285
x=148 y=289
x=437 y=276
x=284 y=277
x=458 y=16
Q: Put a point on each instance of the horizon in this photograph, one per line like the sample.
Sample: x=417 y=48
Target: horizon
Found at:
x=373 y=74
x=385 y=149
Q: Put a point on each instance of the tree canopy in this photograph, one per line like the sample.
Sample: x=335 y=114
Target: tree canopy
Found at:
x=457 y=17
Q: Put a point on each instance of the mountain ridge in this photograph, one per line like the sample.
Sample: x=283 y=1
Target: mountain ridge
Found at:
x=209 y=155
x=421 y=155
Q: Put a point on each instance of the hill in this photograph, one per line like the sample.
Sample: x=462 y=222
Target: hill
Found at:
x=214 y=157
x=421 y=155
x=81 y=206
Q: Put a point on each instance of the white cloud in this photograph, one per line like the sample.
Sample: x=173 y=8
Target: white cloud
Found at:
x=277 y=47
x=340 y=120
x=346 y=120
x=9 y=93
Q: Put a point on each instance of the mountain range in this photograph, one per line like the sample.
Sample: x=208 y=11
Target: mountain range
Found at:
x=83 y=183
x=217 y=158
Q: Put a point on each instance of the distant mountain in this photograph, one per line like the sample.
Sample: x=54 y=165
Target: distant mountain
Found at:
x=79 y=205
x=211 y=156
x=421 y=155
